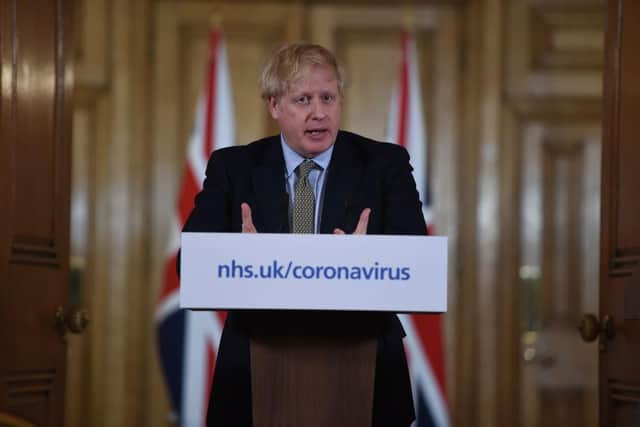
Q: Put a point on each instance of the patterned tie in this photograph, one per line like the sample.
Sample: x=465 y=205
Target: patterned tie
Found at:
x=304 y=201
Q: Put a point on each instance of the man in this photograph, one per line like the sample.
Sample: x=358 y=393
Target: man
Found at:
x=312 y=177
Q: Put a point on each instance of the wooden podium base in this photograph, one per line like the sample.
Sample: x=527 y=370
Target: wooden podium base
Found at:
x=309 y=382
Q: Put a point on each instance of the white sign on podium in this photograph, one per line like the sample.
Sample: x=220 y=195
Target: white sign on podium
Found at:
x=224 y=271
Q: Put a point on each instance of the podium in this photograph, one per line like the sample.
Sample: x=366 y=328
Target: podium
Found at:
x=315 y=320
x=297 y=381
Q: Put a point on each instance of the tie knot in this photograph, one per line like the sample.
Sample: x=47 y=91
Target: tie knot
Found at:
x=305 y=168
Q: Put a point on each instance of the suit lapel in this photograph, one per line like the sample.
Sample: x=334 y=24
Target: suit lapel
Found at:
x=343 y=178
x=270 y=215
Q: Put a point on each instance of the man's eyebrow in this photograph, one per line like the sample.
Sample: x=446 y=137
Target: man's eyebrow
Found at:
x=321 y=92
x=298 y=93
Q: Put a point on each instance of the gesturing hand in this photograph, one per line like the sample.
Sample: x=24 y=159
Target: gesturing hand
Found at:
x=363 y=222
x=247 y=221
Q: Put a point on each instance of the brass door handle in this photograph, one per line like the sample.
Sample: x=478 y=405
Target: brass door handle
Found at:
x=591 y=328
x=74 y=320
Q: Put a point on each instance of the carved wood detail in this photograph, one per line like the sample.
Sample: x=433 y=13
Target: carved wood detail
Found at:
x=562 y=171
x=563 y=38
x=35 y=251
x=624 y=392
x=27 y=383
x=623 y=261
x=30 y=395
x=557 y=109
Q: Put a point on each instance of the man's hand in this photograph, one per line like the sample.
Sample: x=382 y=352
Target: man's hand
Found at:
x=247 y=221
x=361 y=228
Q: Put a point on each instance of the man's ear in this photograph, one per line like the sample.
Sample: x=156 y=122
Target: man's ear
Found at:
x=274 y=107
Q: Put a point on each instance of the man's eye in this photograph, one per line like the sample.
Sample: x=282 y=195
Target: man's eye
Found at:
x=302 y=100
x=328 y=98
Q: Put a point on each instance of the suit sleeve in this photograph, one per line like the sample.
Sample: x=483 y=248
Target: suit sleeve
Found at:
x=212 y=212
x=402 y=206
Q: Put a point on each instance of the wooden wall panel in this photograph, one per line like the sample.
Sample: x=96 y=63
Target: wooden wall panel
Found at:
x=559 y=217
x=35 y=58
x=81 y=232
x=492 y=87
x=86 y=352
x=516 y=81
x=566 y=38
x=93 y=28
x=628 y=226
x=108 y=231
x=481 y=224
x=553 y=91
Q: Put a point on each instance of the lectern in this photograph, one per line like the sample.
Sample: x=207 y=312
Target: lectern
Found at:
x=313 y=317
x=302 y=381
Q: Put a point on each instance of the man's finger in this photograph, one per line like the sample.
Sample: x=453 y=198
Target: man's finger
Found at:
x=361 y=228
x=247 y=221
x=338 y=231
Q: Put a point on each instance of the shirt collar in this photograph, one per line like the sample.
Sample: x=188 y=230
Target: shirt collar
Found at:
x=293 y=159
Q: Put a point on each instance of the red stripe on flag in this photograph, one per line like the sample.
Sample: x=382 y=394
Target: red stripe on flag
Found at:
x=188 y=191
x=429 y=329
x=403 y=99
x=222 y=316
x=209 y=143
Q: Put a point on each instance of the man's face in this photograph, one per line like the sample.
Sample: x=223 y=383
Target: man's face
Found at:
x=309 y=113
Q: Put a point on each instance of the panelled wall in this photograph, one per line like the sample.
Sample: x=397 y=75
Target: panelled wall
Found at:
x=553 y=70
x=529 y=203
x=110 y=366
x=511 y=93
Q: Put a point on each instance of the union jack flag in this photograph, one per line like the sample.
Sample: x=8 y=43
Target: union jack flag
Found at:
x=423 y=343
x=188 y=340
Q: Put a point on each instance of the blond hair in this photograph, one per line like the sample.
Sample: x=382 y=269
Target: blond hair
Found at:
x=288 y=64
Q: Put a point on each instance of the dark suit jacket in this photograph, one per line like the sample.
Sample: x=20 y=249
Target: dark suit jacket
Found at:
x=362 y=174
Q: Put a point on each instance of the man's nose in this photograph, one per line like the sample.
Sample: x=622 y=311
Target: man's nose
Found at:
x=318 y=109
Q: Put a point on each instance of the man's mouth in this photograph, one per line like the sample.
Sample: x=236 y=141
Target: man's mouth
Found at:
x=316 y=132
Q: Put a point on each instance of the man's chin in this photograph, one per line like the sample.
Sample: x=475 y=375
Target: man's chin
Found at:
x=313 y=148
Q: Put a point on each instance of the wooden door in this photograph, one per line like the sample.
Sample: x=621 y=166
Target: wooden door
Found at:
x=620 y=242
x=559 y=282
x=35 y=119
